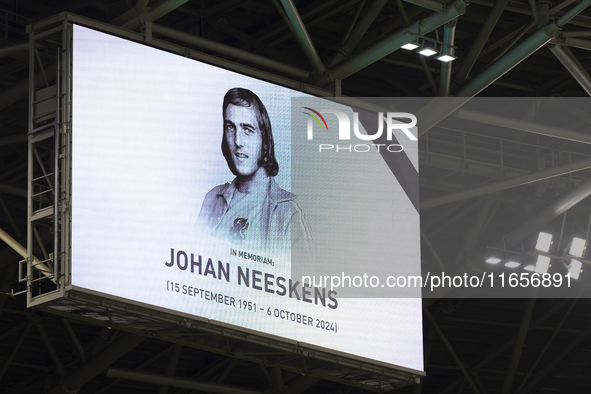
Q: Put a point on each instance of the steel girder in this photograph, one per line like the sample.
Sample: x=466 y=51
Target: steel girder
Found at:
x=573 y=66
x=302 y=36
x=508 y=183
x=391 y=43
x=438 y=110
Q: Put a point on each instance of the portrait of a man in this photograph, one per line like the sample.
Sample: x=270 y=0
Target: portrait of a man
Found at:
x=251 y=209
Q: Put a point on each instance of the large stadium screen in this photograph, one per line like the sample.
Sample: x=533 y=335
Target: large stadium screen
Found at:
x=210 y=193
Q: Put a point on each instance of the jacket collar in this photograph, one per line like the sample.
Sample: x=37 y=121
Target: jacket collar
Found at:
x=275 y=193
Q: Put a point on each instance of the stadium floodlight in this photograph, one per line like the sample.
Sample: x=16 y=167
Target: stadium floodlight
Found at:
x=577 y=247
x=493 y=260
x=428 y=48
x=542 y=264
x=512 y=264
x=575 y=268
x=428 y=52
x=544 y=242
x=445 y=58
x=530 y=268
x=411 y=46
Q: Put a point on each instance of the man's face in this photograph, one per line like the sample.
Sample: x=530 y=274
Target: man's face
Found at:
x=244 y=139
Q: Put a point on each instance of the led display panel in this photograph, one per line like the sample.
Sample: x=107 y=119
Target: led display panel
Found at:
x=197 y=189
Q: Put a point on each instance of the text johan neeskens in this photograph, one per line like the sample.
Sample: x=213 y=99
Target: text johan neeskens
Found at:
x=255 y=279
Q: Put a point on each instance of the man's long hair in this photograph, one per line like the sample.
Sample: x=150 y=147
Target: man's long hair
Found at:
x=245 y=98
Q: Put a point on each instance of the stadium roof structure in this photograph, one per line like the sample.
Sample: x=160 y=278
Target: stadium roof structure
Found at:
x=487 y=183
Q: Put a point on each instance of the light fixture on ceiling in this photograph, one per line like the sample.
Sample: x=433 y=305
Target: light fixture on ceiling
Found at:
x=575 y=268
x=428 y=48
x=577 y=247
x=530 y=268
x=493 y=260
x=542 y=264
x=512 y=264
x=544 y=242
x=445 y=58
x=411 y=46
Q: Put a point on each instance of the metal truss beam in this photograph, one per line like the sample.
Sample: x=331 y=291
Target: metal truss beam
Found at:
x=271 y=389
x=437 y=110
x=523 y=125
x=74 y=338
x=581 y=114
x=13 y=139
x=432 y=5
x=10 y=219
x=518 y=347
x=276 y=378
x=17 y=327
x=15 y=349
x=481 y=39
x=358 y=32
x=230 y=51
x=323 y=7
x=8 y=275
x=140 y=6
x=300 y=384
x=557 y=363
x=421 y=58
x=175 y=381
x=233 y=364
x=573 y=66
x=20 y=89
x=467 y=375
x=22 y=251
x=577 y=43
x=97 y=364
x=475 y=230
x=444 y=216
x=51 y=349
x=353 y=20
x=538 y=220
x=223 y=26
x=11 y=49
x=513 y=41
x=548 y=343
x=147 y=362
x=528 y=227
x=9 y=256
x=508 y=183
x=151 y=14
x=449 y=33
x=433 y=251
x=391 y=43
x=171 y=367
x=391 y=24
x=582 y=33
x=433 y=69
x=501 y=347
x=386 y=74
x=302 y=36
x=509 y=36
x=330 y=11
x=283 y=355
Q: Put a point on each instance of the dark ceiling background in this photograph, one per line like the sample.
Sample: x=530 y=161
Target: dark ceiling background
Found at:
x=471 y=345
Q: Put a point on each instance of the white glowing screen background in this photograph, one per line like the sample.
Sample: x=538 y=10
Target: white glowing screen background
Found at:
x=147 y=129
